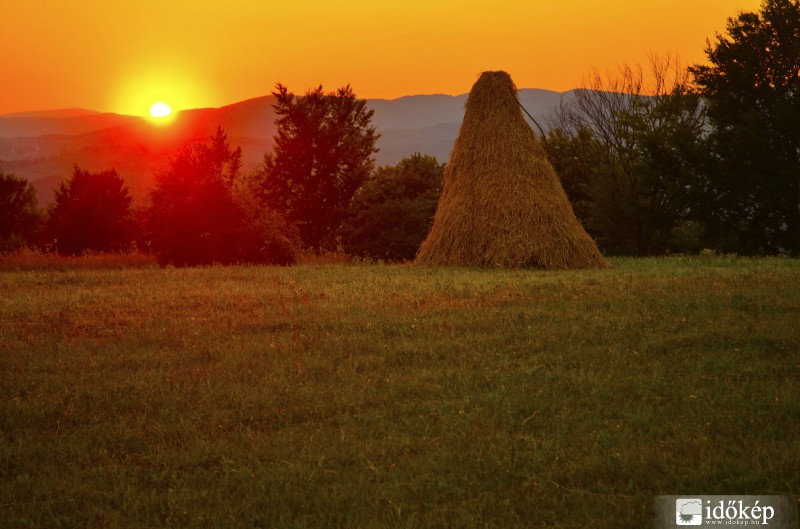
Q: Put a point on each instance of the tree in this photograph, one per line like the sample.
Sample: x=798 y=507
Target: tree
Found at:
x=323 y=154
x=392 y=212
x=752 y=90
x=19 y=215
x=91 y=212
x=193 y=218
x=626 y=151
x=198 y=213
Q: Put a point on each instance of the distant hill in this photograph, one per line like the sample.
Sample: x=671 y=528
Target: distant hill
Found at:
x=44 y=146
x=30 y=125
x=57 y=113
x=429 y=124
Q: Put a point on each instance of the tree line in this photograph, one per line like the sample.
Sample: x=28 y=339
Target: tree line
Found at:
x=703 y=157
x=318 y=191
x=676 y=160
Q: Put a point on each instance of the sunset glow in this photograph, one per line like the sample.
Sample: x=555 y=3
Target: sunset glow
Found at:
x=199 y=53
x=160 y=110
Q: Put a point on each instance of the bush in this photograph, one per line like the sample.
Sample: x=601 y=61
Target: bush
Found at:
x=19 y=216
x=265 y=237
x=392 y=213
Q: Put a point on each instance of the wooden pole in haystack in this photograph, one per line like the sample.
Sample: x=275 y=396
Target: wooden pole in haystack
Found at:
x=502 y=203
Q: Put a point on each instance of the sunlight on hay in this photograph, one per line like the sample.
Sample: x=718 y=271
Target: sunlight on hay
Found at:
x=502 y=203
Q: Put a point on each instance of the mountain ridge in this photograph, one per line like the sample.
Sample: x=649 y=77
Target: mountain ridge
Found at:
x=44 y=146
x=53 y=113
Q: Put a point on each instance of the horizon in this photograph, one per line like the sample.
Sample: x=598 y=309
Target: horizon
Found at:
x=137 y=54
x=231 y=103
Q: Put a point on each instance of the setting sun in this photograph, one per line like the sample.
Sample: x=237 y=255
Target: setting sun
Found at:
x=403 y=48
x=160 y=110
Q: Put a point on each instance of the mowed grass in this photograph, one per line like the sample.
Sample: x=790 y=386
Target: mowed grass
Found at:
x=395 y=396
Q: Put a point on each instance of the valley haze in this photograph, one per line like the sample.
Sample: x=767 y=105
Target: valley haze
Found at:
x=43 y=147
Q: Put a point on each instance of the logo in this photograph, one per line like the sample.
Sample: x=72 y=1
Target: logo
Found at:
x=769 y=512
x=689 y=511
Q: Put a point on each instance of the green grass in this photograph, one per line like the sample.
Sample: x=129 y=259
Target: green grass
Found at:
x=393 y=396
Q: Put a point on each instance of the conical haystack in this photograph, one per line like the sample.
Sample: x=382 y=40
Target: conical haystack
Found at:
x=502 y=202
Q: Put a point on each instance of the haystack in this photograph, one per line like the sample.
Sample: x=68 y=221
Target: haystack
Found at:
x=502 y=203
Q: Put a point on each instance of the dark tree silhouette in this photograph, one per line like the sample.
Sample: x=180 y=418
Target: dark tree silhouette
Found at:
x=752 y=87
x=201 y=214
x=19 y=215
x=193 y=218
x=392 y=212
x=323 y=153
x=627 y=151
x=91 y=212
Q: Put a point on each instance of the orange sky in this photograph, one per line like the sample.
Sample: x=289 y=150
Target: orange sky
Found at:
x=122 y=55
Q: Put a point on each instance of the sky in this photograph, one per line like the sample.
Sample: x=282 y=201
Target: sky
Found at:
x=124 y=55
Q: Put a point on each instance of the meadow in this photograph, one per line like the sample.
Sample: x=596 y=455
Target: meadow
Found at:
x=394 y=396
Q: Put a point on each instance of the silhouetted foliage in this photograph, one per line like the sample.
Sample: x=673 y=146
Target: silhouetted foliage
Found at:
x=627 y=155
x=199 y=216
x=19 y=215
x=752 y=89
x=266 y=236
x=392 y=212
x=323 y=153
x=91 y=212
x=193 y=217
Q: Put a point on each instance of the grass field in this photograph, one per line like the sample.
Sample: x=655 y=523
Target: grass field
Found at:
x=394 y=396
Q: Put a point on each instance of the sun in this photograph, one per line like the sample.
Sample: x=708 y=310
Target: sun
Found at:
x=161 y=114
x=160 y=110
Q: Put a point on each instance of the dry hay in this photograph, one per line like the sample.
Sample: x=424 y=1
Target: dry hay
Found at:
x=502 y=203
